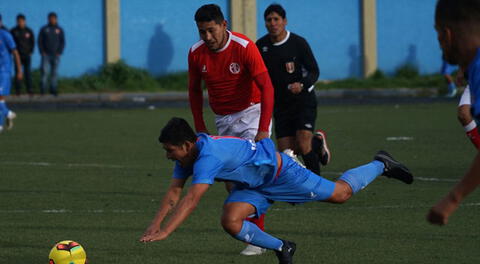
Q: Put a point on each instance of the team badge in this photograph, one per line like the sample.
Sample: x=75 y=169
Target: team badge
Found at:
x=290 y=66
x=204 y=68
x=57 y=31
x=234 y=68
x=264 y=48
x=27 y=35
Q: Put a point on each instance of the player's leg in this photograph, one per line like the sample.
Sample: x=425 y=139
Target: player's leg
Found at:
x=447 y=71
x=27 y=73
x=44 y=71
x=54 y=61
x=243 y=203
x=465 y=118
x=303 y=142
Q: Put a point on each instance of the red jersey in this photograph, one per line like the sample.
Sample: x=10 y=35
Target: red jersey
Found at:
x=228 y=73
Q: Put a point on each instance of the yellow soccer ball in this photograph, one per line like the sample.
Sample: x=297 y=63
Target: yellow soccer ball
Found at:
x=67 y=252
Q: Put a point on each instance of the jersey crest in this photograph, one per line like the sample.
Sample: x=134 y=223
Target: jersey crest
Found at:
x=234 y=68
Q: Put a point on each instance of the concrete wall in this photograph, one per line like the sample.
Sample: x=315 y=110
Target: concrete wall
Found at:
x=82 y=22
x=156 y=34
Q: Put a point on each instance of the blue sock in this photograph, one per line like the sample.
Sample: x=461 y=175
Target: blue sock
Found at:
x=251 y=234
x=451 y=87
x=359 y=177
x=3 y=112
x=3 y=108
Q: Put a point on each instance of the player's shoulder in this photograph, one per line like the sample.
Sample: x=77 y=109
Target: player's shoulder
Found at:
x=195 y=48
x=263 y=40
x=240 y=39
x=297 y=38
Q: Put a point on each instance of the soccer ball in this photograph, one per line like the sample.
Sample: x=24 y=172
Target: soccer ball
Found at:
x=67 y=252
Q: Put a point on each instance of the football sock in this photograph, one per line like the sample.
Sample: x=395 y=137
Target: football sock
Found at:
x=260 y=222
x=358 y=178
x=3 y=112
x=251 y=234
x=312 y=162
x=451 y=87
x=472 y=133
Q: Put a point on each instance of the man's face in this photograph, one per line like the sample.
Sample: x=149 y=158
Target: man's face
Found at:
x=52 y=20
x=213 y=34
x=444 y=36
x=275 y=24
x=181 y=153
x=21 y=22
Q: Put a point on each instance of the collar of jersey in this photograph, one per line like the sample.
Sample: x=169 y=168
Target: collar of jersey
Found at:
x=226 y=44
x=283 y=40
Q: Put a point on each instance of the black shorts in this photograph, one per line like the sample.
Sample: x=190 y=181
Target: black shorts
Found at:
x=289 y=118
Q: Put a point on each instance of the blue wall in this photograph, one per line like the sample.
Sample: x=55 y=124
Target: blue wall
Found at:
x=82 y=22
x=156 y=34
x=332 y=29
x=406 y=35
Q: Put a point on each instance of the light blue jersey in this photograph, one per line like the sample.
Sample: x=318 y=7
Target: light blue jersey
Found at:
x=7 y=45
x=244 y=162
x=473 y=72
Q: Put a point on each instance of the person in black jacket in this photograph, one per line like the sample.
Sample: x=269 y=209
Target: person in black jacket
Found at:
x=51 y=42
x=293 y=71
x=25 y=41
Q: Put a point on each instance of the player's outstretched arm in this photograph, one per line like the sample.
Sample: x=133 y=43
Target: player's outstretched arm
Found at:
x=169 y=202
x=265 y=85
x=184 y=208
x=440 y=213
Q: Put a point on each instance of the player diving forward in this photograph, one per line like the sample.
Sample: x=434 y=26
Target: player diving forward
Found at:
x=261 y=176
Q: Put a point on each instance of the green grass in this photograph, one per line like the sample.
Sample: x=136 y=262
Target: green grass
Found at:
x=107 y=172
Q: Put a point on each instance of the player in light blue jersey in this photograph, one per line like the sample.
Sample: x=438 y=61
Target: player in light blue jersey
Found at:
x=457 y=23
x=447 y=71
x=7 y=48
x=261 y=176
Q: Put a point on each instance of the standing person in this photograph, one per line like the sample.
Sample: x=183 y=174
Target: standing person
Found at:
x=457 y=23
x=239 y=89
x=51 y=42
x=447 y=71
x=262 y=175
x=7 y=48
x=25 y=41
x=294 y=71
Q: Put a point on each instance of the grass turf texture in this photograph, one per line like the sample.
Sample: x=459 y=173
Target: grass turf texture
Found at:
x=96 y=177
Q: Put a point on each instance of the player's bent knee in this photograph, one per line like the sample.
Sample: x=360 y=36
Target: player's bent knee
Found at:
x=231 y=224
x=341 y=193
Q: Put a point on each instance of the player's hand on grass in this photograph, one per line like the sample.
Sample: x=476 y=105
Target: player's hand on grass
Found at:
x=439 y=214
x=151 y=230
x=157 y=236
x=295 y=88
x=261 y=135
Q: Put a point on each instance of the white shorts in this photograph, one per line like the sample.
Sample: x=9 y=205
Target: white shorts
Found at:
x=466 y=99
x=243 y=124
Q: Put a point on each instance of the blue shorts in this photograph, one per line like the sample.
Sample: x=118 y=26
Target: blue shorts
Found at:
x=5 y=83
x=295 y=184
x=448 y=68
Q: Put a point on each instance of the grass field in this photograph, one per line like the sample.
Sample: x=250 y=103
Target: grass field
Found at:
x=97 y=177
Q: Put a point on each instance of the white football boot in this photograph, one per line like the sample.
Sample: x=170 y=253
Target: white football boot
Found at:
x=9 y=120
x=252 y=250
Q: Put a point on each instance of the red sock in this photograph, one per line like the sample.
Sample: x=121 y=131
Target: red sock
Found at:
x=260 y=222
x=474 y=137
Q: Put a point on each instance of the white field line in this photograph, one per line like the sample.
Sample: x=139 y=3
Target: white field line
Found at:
x=403 y=138
x=48 y=164
x=293 y=208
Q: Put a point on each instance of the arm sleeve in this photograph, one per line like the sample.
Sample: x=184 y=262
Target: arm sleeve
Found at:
x=62 y=41
x=40 y=42
x=265 y=85
x=181 y=173
x=195 y=95
x=205 y=169
x=32 y=41
x=310 y=65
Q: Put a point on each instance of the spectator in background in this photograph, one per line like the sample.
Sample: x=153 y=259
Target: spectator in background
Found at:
x=25 y=41
x=51 y=42
x=7 y=48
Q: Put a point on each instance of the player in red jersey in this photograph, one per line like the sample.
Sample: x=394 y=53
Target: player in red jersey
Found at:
x=239 y=88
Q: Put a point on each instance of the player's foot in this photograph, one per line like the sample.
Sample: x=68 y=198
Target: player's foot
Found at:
x=323 y=152
x=393 y=168
x=252 y=250
x=9 y=120
x=292 y=155
x=285 y=256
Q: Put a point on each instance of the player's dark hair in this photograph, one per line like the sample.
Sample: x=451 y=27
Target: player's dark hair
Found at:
x=176 y=132
x=275 y=8
x=207 y=13
x=458 y=13
x=20 y=16
x=52 y=14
